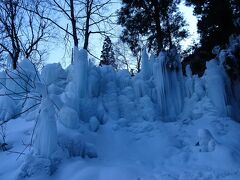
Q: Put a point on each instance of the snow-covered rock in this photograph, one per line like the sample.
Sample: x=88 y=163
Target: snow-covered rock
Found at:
x=206 y=141
x=35 y=166
x=73 y=144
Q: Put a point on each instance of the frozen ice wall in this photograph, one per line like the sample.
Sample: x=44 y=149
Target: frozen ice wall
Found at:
x=75 y=96
x=168 y=81
x=86 y=94
x=216 y=87
x=228 y=70
x=220 y=82
x=158 y=89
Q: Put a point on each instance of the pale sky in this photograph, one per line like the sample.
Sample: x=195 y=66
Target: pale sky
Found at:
x=58 y=54
x=192 y=22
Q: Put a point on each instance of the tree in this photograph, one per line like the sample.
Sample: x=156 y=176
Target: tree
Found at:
x=121 y=52
x=215 y=22
x=235 y=4
x=107 y=53
x=160 y=22
x=9 y=30
x=125 y=58
x=83 y=17
x=21 y=32
x=174 y=25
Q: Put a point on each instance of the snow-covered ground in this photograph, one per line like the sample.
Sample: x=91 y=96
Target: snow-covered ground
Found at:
x=93 y=123
x=141 y=150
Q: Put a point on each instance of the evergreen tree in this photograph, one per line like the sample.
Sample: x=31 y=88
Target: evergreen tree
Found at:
x=107 y=53
x=216 y=22
x=158 y=21
x=235 y=5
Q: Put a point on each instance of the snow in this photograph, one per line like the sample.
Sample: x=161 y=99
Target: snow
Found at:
x=206 y=140
x=97 y=123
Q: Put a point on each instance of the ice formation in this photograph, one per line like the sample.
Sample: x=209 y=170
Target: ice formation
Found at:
x=84 y=93
x=189 y=82
x=112 y=109
x=45 y=140
x=22 y=79
x=169 y=86
x=80 y=72
x=8 y=107
x=52 y=74
x=145 y=65
x=216 y=87
x=115 y=94
x=94 y=124
x=69 y=117
x=15 y=84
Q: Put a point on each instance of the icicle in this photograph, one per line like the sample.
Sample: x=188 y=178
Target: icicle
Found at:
x=80 y=72
x=189 y=82
x=215 y=87
x=145 y=65
x=159 y=80
x=169 y=84
x=45 y=141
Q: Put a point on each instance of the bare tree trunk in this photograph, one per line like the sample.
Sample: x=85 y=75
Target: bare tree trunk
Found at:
x=73 y=21
x=86 y=40
x=138 y=64
x=13 y=32
x=158 y=26
x=87 y=33
x=14 y=63
x=169 y=34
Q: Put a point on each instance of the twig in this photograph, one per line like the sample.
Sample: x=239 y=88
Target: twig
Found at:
x=15 y=116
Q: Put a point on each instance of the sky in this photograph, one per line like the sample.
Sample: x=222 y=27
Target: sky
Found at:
x=58 y=53
x=192 y=22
